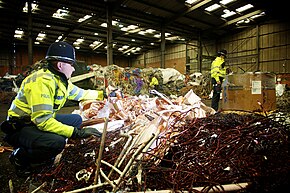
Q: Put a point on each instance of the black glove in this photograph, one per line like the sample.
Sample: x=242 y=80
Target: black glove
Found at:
x=85 y=132
x=105 y=94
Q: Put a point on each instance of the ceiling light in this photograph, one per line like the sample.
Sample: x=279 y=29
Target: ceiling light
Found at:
x=60 y=13
x=258 y=15
x=18 y=33
x=142 y=32
x=157 y=35
x=104 y=25
x=190 y=1
x=33 y=7
x=228 y=13
x=224 y=2
x=115 y=23
x=18 y=36
x=84 y=18
x=244 y=8
x=150 y=30
x=212 y=7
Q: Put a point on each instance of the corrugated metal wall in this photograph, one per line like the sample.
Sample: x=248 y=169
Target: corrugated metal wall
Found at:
x=264 y=48
x=271 y=55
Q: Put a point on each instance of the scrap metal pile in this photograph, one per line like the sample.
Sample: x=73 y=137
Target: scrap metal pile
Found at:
x=162 y=144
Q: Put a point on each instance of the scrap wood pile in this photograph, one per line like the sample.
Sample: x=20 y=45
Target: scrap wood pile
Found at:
x=172 y=145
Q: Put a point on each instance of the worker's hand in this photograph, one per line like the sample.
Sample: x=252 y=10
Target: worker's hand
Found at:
x=85 y=133
x=105 y=94
x=116 y=93
x=218 y=82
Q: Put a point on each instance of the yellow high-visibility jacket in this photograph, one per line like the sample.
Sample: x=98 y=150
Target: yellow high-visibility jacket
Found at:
x=42 y=94
x=216 y=69
x=154 y=81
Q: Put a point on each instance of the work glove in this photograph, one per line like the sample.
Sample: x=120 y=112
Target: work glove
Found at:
x=116 y=93
x=105 y=94
x=85 y=133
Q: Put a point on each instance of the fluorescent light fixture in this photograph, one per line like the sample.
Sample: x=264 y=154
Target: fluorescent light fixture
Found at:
x=142 y=33
x=228 y=13
x=190 y=1
x=34 y=7
x=115 y=23
x=224 y=2
x=96 y=44
x=60 y=13
x=157 y=35
x=84 y=18
x=18 y=36
x=132 y=27
x=212 y=7
x=150 y=30
x=18 y=33
x=258 y=15
x=244 y=8
x=41 y=35
x=104 y=25
x=167 y=34
x=124 y=29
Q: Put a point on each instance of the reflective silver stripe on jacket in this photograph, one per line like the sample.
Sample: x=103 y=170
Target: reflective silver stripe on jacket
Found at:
x=42 y=107
x=80 y=93
x=17 y=110
x=43 y=118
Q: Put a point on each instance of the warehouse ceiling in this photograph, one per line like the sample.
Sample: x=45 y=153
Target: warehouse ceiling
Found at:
x=136 y=24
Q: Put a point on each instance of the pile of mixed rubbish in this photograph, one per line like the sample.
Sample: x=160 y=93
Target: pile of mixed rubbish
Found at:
x=136 y=81
x=162 y=144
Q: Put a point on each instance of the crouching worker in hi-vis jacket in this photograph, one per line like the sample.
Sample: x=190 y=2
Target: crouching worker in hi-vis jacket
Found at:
x=33 y=128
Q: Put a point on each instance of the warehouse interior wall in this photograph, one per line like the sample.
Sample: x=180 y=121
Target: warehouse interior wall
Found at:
x=265 y=47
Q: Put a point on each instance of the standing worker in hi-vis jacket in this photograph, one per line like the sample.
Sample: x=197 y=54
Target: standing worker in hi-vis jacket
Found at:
x=218 y=73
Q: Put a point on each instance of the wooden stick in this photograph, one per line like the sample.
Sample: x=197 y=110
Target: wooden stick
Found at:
x=98 y=161
x=39 y=187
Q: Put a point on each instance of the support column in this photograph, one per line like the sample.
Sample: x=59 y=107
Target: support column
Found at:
x=162 y=47
x=30 y=51
x=109 y=36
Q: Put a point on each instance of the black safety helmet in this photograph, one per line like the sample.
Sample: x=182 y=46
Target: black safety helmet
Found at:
x=61 y=51
x=223 y=52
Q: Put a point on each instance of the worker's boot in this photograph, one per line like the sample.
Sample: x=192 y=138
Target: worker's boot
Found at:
x=18 y=158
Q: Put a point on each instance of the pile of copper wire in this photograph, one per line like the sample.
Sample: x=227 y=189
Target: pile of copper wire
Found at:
x=207 y=152
x=224 y=149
